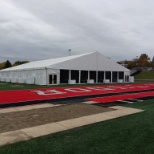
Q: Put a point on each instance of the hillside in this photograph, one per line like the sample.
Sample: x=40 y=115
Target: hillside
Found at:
x=145 y=75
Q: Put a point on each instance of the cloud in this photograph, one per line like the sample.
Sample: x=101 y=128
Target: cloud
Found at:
x=22 y=32
x=36 y=29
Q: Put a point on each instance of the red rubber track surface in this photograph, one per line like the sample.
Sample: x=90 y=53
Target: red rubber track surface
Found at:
x=14 y=96
x=122 y=97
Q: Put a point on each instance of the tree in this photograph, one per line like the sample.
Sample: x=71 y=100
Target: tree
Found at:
x=131 y=64
x=2 y=65
x=144 y=56
x=7 y=64
x=20 y=62
x=143 y=60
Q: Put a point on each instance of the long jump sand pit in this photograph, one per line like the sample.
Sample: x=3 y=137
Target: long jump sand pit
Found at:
x=24 y=119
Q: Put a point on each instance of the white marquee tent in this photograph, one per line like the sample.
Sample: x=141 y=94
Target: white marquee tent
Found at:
x=83 y=68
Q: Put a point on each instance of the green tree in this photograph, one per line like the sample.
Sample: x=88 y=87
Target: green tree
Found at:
x=143 y=60
x=131 y=64
x=7 y=64
x=2 y=65
x=20 y=63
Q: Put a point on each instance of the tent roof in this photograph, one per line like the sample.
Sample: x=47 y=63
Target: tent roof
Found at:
x=88 y=61
x=42 y=63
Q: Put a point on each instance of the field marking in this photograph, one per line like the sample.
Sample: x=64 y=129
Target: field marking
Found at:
x=28 y=107
x=125 y=101
x=90 y=102
x=46 y=129
x=33 y=107
x=20 y=96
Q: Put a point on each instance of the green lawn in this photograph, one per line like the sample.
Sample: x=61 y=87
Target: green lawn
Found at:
x=14 y=86
x=132 y=134
x=145 y=75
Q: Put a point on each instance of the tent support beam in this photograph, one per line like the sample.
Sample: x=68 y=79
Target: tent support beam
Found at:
x=79 y=76
x=111 y=76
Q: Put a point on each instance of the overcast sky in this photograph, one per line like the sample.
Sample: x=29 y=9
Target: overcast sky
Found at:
x=43 y=29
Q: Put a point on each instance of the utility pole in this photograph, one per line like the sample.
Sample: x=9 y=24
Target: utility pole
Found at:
x=69 y=50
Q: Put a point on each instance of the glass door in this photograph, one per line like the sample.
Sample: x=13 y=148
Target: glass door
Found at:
x=52 y=79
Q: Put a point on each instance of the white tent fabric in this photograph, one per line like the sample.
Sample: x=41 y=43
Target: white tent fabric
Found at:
x=38 y=72
x=43 y=63
x=89 y=61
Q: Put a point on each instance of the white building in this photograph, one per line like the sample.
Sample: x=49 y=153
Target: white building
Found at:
x=84 y=68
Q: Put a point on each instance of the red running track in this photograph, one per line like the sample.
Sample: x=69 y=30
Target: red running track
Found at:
x=122 y=97
x=15 y=96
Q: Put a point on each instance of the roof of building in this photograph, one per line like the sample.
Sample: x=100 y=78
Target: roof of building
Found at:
x=88 y=61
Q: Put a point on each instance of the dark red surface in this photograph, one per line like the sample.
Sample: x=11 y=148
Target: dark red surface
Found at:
x=14 y=96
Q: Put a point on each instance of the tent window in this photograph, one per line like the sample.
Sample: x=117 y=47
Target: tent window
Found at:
x=100 y=76
x=121 y=75
x=84 y=76
x=64 y=76
x=75 y=75
x=114 y=76
x=93 y=75
x=108 y=75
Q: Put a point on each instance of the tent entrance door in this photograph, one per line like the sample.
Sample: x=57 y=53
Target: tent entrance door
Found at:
x=53 y=79
x=126 y=78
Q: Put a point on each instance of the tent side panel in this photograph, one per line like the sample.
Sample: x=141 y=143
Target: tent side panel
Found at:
x=37 y=77
x=40 y=77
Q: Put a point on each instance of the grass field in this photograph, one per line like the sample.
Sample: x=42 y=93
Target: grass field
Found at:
x=132 y=134
x=145 y=75
x=14 y=86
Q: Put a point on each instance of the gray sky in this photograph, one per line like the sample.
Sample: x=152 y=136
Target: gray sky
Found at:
x=43 y=29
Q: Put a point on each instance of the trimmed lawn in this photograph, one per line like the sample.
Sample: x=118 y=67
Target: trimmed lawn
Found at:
x=15 y=86
x=145 y=75
x=132 y=134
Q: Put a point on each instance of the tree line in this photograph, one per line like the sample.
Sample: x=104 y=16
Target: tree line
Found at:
x=139 y=61
x=7 y=64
